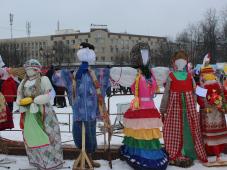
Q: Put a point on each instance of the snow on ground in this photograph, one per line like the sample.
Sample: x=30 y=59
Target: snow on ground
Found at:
x=22 y=162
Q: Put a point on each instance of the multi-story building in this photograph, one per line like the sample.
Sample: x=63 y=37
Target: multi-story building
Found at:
x=110 y=48
x=21 y=49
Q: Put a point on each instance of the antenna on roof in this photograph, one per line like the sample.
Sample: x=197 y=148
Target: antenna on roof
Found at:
x=58 y=25
x=28 y=28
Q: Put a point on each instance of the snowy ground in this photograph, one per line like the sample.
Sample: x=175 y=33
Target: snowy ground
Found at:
x=22 y=162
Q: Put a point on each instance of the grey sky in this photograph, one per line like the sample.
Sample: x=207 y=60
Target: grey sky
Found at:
x=149 y=17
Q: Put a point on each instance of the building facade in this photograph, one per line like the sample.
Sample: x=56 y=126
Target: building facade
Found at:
x=110 y=48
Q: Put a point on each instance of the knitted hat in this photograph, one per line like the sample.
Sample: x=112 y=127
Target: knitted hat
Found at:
x=140 y=54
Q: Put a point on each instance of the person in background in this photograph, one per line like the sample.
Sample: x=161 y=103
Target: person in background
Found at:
x=5 y=108
x=9 y=90
x=49 y=74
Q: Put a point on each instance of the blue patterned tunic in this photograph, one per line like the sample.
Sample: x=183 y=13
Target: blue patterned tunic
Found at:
x=84 y=105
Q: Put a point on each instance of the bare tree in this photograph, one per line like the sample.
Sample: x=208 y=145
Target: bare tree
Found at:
x=224 y=23
x=63 y=53
x=210 y=31
x=12 y=54
x=122 y=58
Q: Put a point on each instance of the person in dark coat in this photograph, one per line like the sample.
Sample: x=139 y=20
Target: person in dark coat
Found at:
x=49 y=74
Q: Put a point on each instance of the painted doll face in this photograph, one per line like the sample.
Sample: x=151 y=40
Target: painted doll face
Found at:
x=180 y=64
x=145 y=56
x=31 y=72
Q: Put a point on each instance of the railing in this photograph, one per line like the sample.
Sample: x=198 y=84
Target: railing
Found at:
x=116 y=132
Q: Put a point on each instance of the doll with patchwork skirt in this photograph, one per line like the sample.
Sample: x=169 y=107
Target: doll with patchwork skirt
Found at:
x=142 y=121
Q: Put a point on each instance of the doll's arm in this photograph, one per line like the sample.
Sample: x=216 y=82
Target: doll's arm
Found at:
x=47 y=87
x=165 y=98
x=125 y=76
x=19 y=97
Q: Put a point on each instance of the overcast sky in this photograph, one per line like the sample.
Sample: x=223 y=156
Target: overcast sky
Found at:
x=147 y=17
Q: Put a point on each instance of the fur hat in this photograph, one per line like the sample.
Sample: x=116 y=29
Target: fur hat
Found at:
x=140 y=54
x=86 y=53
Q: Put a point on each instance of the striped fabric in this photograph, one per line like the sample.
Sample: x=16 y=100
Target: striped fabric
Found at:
x=143 y=134
x=147 y=123
x=142 y=148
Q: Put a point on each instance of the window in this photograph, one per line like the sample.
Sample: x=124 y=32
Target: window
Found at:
x=103 y=58
x=126 y=42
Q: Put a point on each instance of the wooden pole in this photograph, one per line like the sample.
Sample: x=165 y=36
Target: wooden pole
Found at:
x=82 y=160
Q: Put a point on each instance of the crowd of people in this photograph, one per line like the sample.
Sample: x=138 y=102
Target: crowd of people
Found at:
x=188 y=134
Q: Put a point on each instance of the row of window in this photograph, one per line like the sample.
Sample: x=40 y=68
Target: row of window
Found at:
x=114 y=42
x=73 y=42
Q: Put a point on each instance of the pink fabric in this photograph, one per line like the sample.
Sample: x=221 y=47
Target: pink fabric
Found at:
x=143 y=123
x=146 y=90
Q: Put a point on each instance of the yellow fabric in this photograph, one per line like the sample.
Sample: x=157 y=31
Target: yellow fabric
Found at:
x=135 y=104
x=25 y=101
x=225 y=69
x=209 y=77
x=143 y=134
